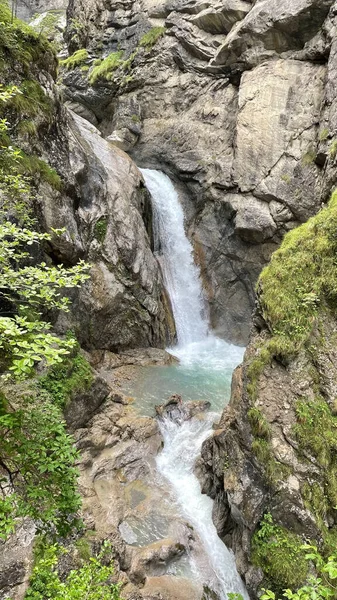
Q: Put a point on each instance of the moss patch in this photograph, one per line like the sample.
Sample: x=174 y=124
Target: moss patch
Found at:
x=100 y=229
x=106 y=68
x=299 y=282
x=32 y=165
x=316 y=433
x=75 y=60
x=150 y=38
x=279 y=553
x=19 y=43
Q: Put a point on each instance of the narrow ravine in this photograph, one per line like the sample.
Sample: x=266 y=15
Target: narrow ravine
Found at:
x=206 y=365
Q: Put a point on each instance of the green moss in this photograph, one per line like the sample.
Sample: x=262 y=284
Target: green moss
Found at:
x=32 y=165
x=100 y=229
x=75 y=60
x=64 y=380
x=324 y=134
x=19 y=43
x=30 y=101
x=84 y=549
x=150 y=38
x=274 y=471
x=286 y=178
x=299 y=282
x=280 y=555
x=309 y=157
x=316 y=501
x=127 y=64
x=105 y=70
x=316 y=430
x=260 y=426
x=333 y=149
x=316 y=434
x=27 y=127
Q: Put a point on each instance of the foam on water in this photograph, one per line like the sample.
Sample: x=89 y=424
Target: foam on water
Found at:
x=204 y=372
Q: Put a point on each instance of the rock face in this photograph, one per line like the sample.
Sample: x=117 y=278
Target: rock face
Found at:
x=231 y=101
x=26 y=9
x=273 y=455
x=122 y=305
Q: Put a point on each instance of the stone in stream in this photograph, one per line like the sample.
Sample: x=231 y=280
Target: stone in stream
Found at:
x=178 y=411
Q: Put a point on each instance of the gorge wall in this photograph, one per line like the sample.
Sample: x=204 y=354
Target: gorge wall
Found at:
x=235 y=102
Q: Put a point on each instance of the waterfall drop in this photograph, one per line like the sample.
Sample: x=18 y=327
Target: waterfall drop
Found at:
x=206 y=365
x=175 y=254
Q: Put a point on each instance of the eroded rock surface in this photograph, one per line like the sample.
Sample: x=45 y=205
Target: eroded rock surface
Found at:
x=123 y=303
x=235 y=102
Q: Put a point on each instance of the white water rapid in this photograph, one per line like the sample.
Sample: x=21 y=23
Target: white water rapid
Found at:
x=203 y=359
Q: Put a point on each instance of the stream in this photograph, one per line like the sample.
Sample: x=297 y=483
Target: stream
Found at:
x=204 y=372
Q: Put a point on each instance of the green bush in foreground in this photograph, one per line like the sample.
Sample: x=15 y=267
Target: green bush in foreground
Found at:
x=92 y=581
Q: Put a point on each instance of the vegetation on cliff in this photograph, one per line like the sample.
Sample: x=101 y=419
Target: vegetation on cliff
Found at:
x=297 y=294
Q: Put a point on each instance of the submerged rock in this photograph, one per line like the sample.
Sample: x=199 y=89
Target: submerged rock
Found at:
x=178 y=411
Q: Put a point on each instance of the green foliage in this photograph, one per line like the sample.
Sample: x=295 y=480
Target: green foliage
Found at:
x=91 y=581
x=259 y=424
x=19 y=43
x=300 y=280
x=105 y=70
x=150 y=38
x=280 y=554
x=75 y=60
x=74 y=374
x=47 y=26
x=38 y=475
x=38 y=456
x=100 y=229
x=317 y=587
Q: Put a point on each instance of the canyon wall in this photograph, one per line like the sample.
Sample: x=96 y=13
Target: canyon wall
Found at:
x=234 y=101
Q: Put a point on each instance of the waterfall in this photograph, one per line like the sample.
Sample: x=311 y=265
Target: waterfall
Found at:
x=205 y=360
x=175 y=254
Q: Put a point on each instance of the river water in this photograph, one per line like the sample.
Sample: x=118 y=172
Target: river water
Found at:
x=203 y=373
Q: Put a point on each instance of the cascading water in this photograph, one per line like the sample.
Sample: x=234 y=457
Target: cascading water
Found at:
x=181 y=276
x=204 y=360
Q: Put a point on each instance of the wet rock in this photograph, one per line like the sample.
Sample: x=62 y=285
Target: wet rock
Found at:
x=178 y=411
x=16 y=561
x=271 y=28
x=121 y=305
x=171 y=588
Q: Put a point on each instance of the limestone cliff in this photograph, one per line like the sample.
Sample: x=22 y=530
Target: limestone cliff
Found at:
x=271 y=464
x=235 y=100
